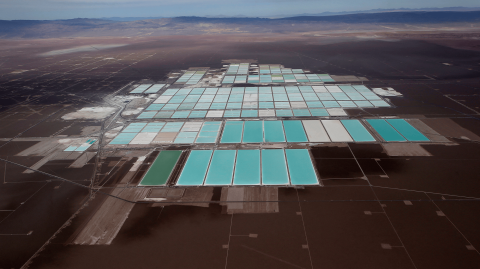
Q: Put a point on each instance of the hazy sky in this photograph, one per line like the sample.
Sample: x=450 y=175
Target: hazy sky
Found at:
x=67 y=9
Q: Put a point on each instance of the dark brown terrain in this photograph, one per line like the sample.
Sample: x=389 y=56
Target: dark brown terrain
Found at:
x=379 y=207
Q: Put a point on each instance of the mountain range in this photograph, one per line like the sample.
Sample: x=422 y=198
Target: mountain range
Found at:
x=208 y=25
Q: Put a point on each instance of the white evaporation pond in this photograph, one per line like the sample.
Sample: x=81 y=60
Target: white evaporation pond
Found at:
x=94 y=47
x=91 y=113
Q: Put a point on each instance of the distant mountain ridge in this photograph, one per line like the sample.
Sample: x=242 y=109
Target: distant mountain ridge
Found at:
x=130 y=18
x=380 y=10
x=396 y=17
x=327 y=13
x=391 y=17
x=203 y=25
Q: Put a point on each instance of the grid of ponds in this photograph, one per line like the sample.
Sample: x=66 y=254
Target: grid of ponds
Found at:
x=240 y=69
x=155 y=88
x=191 y=77
x=276 y=69
x=168 y=133
x=276 y=78
x=254 y=166
x=183 y=114
x=148 y=88
x=248 y=167
x=295 y=131
x=80 y=147
x=273 y=131
x=141 y=88
x=300 y=99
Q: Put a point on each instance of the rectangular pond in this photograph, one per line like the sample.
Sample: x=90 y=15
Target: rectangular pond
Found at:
x=247 y=169
x=162 y=167
x=300 y=167
x=273 y=131
x=253 y=132
x=221 y=168
x=193 y=173
x=385 y=130
x=274 y=168
x=407 y=130
x=358 y=132
x=232 y=132
x=336 y=131
x=294 y=131
x=315 y=131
